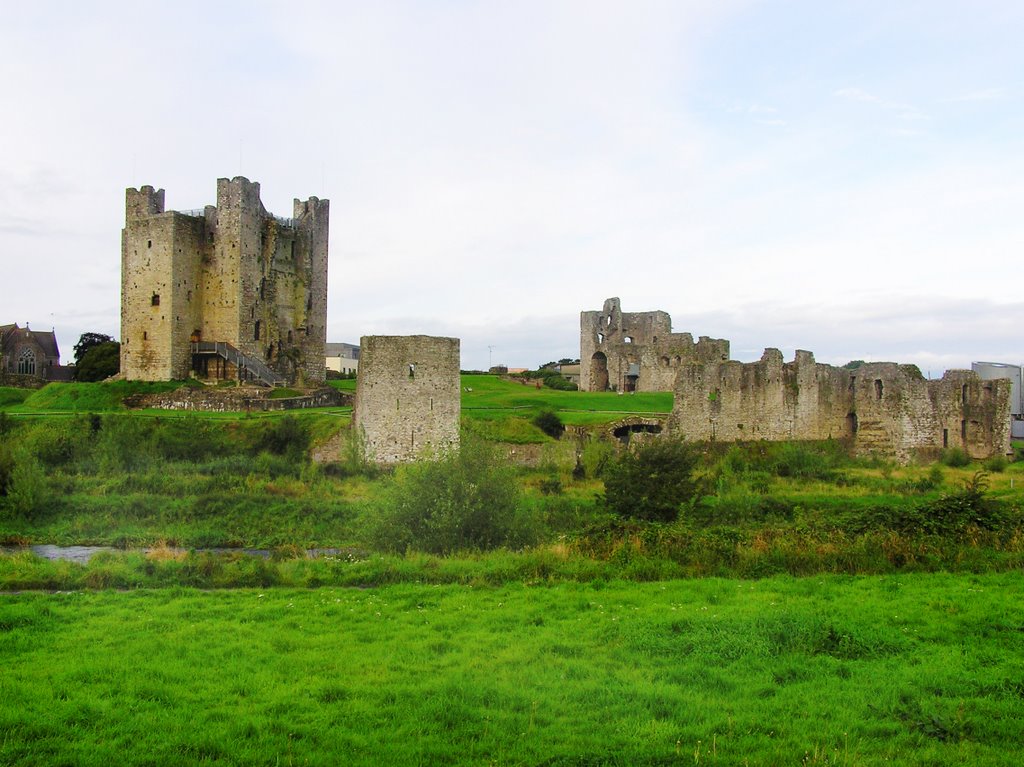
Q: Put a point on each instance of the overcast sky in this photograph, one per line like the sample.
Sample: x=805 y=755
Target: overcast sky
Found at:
x=842 y=177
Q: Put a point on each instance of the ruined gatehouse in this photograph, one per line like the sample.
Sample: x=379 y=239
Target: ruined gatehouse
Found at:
x=227 y=291
x=637 y=351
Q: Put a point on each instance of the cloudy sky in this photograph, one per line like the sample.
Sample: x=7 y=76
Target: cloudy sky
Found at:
x=843 y=177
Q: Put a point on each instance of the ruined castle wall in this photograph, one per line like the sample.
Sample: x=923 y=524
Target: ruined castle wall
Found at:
x=637 y=351
x=407 y=396
x=885 y=408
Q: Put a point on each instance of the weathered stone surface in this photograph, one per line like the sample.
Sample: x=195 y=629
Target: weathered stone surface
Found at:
x=637 y=351
x=230 y=273
x=216 y=400
x=407 y=396
x=883 y=407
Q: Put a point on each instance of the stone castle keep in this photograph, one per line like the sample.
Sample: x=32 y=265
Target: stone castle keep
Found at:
x=229 y=291
x=882 y=407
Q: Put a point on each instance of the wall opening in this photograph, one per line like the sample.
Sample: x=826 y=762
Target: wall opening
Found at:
x=945 y=438
x=851 y=424
x=963 y=431
x=878 y=388
x=599 y=372
x=256 y=332
x=145 y=335
x=963 y=394
x=412 y=370
x=155 y=300
x=627 y=340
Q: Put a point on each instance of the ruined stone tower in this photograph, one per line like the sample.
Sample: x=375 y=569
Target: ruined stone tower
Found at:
x=407 y=396
x=637 y=351
x=229 y=291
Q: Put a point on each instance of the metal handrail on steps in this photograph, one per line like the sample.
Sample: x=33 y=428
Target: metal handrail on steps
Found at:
x=243 y=362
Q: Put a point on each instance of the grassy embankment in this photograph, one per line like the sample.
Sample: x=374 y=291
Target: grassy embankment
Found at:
x=105 y=476
x=910 y=670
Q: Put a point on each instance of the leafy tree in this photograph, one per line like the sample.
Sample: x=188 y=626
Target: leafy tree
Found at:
x=652 y=481
x=87 y=341
x=99 y=362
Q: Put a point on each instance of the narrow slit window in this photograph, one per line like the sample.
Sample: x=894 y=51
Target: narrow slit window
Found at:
x=155 y=300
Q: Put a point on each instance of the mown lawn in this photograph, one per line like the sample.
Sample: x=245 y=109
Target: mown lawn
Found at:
x=909 y=669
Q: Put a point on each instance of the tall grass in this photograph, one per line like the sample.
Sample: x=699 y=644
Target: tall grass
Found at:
x=829 y=670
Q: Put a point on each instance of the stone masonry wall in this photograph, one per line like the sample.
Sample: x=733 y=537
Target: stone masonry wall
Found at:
x=407 y=396
x=230 y=273
x=883 y=407
x=637 y=351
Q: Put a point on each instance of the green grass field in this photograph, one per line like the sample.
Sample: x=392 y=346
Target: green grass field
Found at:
x=906 y=670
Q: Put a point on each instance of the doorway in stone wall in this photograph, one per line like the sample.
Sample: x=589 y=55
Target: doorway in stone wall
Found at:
x=599 y=372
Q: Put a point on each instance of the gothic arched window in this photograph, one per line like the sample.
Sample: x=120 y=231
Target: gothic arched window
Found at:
x=27 y=362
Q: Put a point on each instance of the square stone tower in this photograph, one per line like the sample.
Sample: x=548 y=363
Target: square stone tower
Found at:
x=229 y=291
x=407 y=396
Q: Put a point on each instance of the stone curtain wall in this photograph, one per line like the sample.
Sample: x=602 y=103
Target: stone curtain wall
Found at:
x=231 y=273
x=611 y=341
x=214 y=400
x=407 y=396
x=883 y=407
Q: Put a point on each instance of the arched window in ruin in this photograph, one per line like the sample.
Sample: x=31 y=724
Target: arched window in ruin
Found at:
x=851 y=424
x=27 y=362
x=599 y=372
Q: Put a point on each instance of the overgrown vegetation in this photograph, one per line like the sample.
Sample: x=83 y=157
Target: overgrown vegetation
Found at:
x=460 y=501
x=653 y=481
x=131 y=479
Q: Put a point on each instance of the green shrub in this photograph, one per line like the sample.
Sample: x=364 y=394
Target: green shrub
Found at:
x=463 y=500
x=6 y=467
x=955 y=457
x=952 y=514
x=27 y=493
x=551 y=486
x=805 y=461
x=653 y=481
x=286 y=436
x=549 y=423
x=996 y=464
x=559 y=383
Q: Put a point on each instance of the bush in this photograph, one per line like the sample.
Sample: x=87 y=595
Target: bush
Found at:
x=559 y=383
x=464 y=500
x=955 y=457
x=549 y=423
x=952 y=514
x=285 y=436
x=653 y=481
x=996 y=464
